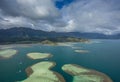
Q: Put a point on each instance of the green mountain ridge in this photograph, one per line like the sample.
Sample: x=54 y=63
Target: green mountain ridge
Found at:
x=23 y=34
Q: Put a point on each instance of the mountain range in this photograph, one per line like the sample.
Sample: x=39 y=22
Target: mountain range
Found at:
x=27 y=34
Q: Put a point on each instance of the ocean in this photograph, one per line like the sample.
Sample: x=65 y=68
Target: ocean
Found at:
x=103 y=56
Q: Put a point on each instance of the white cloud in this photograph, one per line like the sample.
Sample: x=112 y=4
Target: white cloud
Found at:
x=93 y=16
x=29 y=13
x=9 y=22
x=38 y=8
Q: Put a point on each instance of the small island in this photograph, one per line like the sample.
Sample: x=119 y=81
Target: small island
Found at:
x=81 y=74
x=48 y=42
x=41 y=72
x=61 y=41
x=7 y=53
x=37 y=55
x=81 y=51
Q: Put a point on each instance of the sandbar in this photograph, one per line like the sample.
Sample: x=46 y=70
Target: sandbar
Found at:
x=7 y=53
x=81 y=51
x=81 y=74
x=41 y=72
x=36 y=55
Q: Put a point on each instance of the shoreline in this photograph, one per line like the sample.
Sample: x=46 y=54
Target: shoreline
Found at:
x=49 y=42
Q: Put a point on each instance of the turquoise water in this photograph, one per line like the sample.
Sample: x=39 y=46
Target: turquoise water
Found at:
x=103 y=56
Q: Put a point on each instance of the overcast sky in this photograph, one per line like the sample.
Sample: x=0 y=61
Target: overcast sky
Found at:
x=101 y=16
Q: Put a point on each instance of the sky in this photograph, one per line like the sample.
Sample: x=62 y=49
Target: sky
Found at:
x=95 y=16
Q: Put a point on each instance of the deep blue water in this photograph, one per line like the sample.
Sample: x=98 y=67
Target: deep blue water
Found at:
x=103 y=56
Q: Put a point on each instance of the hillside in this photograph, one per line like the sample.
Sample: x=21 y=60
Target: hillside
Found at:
x=27 y=34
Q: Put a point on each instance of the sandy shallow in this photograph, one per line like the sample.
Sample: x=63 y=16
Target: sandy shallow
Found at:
x=37 y=55
x=7 y=53
x=10 y=46
x=81 y=74
x=41 y=72
x=82 y=51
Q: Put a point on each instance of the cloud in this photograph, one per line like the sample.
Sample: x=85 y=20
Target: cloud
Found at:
x=35 y=9
x=37 y=14
x=100 y=16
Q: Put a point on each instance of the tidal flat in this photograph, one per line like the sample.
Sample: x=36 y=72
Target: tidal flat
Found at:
x=41 y=73
x=37 y=55
x=7 y=53
x=81 y=74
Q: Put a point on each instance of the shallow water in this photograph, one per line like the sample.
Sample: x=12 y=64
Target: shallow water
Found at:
x=103 y=56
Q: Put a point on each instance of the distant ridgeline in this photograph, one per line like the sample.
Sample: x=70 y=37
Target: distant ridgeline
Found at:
x=27 y=35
